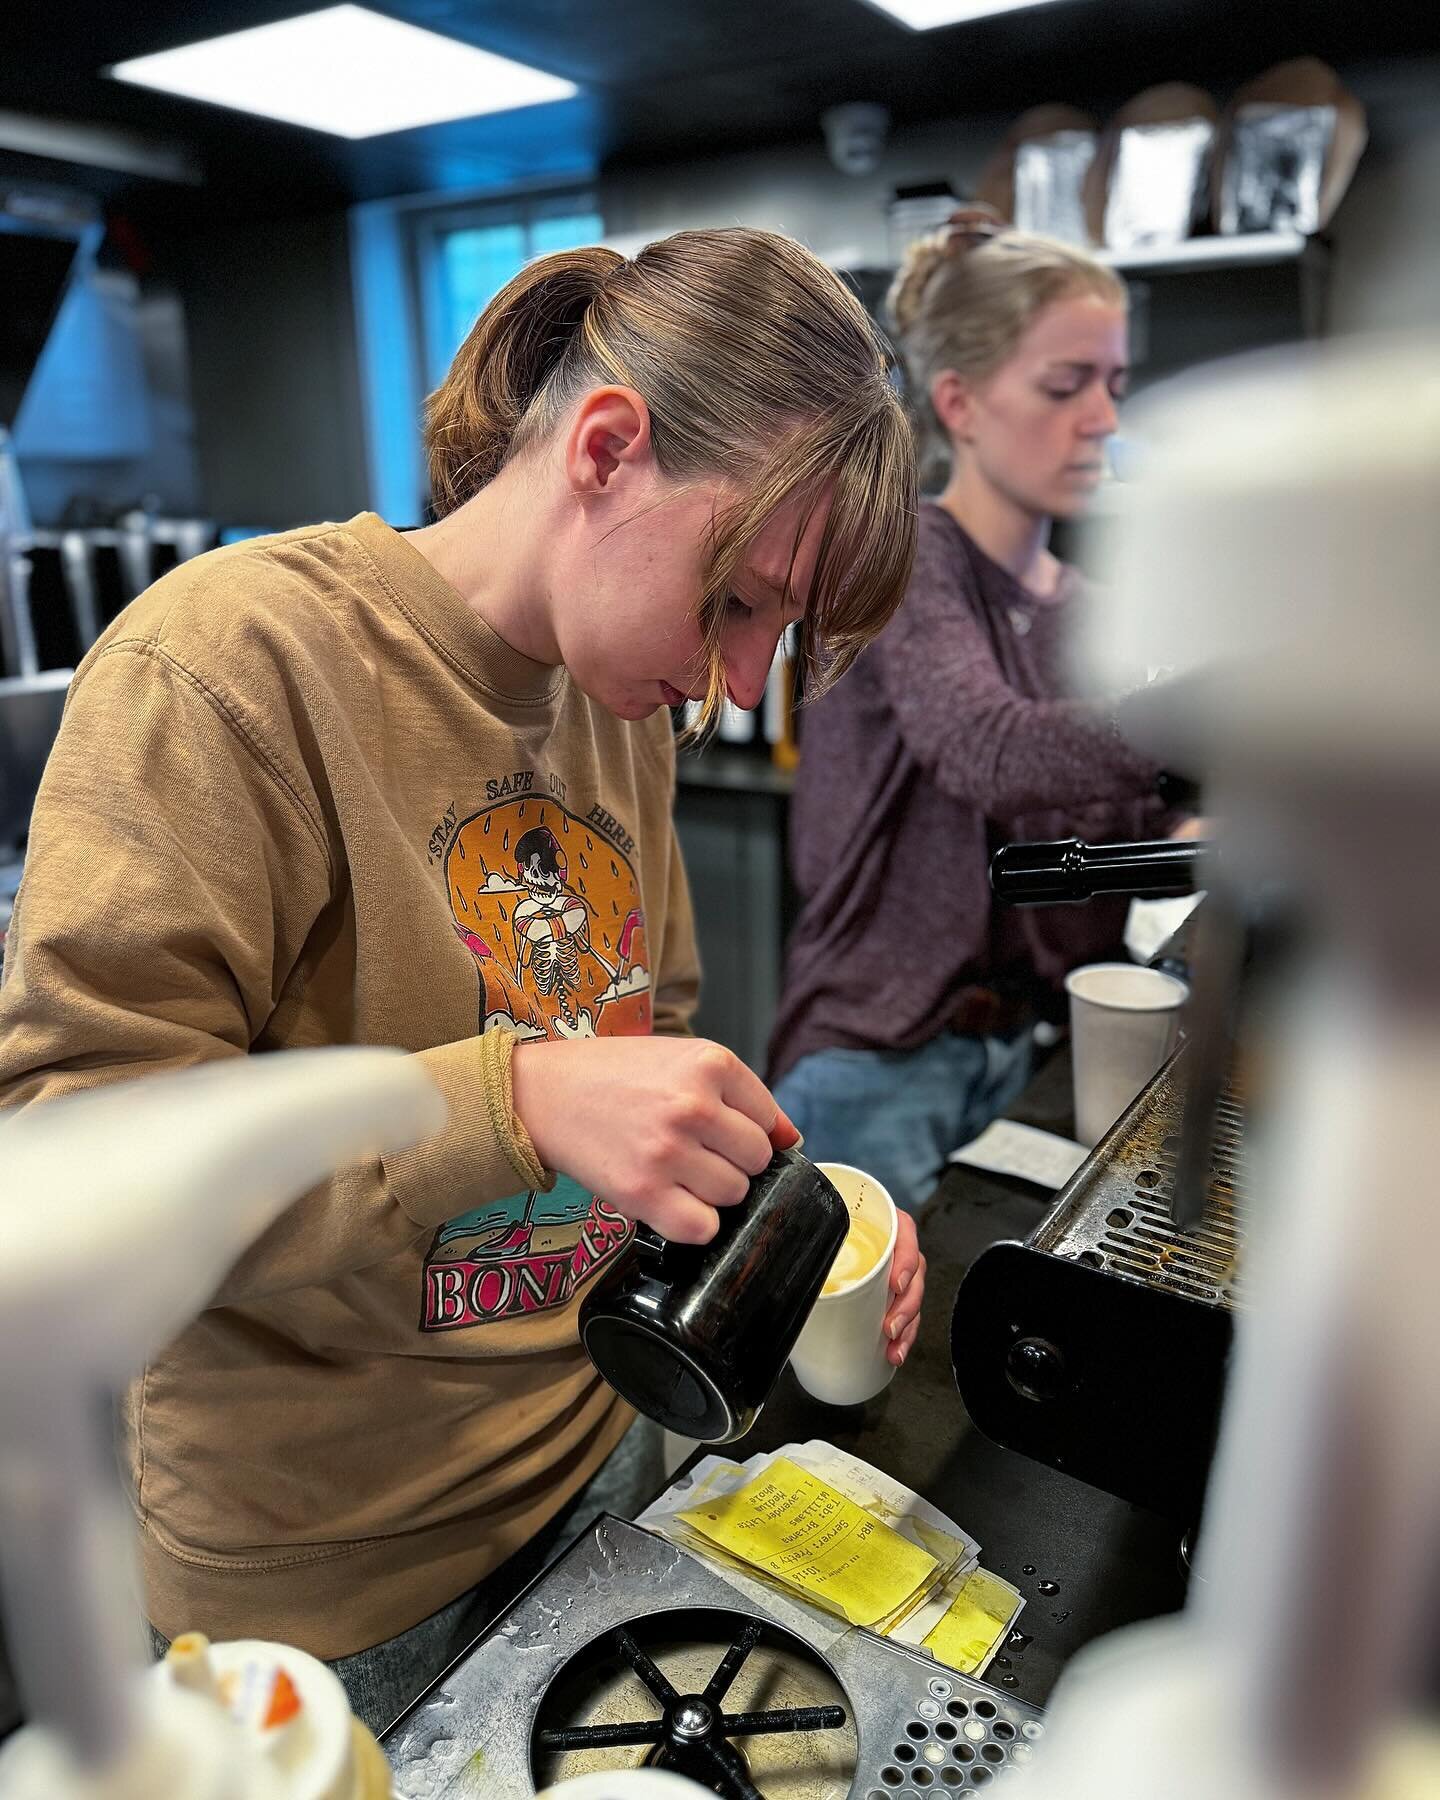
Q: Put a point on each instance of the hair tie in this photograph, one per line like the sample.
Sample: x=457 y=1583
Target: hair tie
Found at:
x=968 y=226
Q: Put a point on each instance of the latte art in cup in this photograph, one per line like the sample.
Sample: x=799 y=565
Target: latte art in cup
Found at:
x=865 y=1243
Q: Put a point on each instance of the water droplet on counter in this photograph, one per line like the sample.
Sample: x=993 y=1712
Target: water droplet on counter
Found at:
x=1002 y=1662
x=1029 y=1569
x=1009 y=1681
x=1049 y=1588
x=1060 y=1618
x=1018 y=1641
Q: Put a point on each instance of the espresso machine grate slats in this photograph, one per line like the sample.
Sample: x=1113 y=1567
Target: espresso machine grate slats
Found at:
x=1115 y=1214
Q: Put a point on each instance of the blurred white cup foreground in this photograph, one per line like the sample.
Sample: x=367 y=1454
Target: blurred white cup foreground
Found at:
x=840 y=1355
x=1124 y=1022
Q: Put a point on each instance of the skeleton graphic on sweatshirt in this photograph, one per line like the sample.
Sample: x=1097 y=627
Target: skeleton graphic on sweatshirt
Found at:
x=548 y=904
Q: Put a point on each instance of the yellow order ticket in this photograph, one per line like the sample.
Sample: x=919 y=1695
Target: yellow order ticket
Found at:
x=803 y=1534
x=976 y=1620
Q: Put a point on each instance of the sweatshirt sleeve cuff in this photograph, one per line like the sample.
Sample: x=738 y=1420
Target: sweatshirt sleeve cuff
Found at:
x=484 y=1152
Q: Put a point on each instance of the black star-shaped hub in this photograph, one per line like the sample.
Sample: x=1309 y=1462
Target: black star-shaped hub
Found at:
x=693 y=1735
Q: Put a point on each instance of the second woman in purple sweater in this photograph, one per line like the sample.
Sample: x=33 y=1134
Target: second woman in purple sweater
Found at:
x=905 y=1021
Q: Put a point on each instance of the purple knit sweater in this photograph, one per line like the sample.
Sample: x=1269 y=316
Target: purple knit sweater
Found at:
x=948 y=738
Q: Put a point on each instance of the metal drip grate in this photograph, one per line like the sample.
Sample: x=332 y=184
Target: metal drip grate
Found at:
x=781 y=1732
x=1115 y=1215
x=558 y=1680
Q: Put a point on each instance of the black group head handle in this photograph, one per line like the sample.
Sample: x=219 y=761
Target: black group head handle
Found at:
x=1068 y=870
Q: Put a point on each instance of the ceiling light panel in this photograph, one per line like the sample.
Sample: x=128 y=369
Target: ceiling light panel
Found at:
x=926 y=15
x=346 y=70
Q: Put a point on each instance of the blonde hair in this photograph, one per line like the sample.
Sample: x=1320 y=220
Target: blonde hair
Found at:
x=966 y=295
x=758 y=366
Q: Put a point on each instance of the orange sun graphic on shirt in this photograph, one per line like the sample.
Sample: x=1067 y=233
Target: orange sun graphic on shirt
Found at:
x=550 y=911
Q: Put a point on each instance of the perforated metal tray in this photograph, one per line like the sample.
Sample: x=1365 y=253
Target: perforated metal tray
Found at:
x=922 y=1730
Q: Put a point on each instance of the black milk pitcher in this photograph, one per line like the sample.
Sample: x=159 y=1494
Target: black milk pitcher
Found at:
x=695 y=1335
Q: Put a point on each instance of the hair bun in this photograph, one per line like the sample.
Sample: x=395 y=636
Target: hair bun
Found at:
x=907 y=291
x=967 y=227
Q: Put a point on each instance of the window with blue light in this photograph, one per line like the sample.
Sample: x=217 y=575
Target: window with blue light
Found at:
x=423 y=274
x=464 y=262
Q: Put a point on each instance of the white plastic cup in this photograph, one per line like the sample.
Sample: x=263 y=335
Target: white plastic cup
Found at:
x=1124 y=1021
x=840 y=1355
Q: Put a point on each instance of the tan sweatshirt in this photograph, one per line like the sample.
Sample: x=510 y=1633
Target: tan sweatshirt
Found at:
x=302 y=795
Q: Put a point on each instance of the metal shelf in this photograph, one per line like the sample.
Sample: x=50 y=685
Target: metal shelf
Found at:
x=1258 y=249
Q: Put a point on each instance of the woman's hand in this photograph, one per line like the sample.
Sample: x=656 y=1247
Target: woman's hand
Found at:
x=907 y=1284
x=666 y=1129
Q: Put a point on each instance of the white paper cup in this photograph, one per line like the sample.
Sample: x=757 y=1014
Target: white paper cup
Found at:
x=840 y=1355
x=1124 y=1020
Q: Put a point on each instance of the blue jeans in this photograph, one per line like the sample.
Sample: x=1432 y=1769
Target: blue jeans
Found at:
x=383 y=1681
x=897 y=1114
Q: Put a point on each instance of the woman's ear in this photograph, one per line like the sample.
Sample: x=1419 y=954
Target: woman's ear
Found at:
x=608 y=437
x=954 y=402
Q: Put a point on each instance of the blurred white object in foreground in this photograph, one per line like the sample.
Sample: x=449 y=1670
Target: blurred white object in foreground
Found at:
x=164 y=1181
x=1281 y=558
x=1283 y=542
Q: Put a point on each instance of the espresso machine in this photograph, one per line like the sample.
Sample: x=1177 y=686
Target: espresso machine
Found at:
x=1247 y=1260
x=1068 y=1347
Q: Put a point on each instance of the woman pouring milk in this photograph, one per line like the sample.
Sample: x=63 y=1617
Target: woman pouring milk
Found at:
x=357 y=785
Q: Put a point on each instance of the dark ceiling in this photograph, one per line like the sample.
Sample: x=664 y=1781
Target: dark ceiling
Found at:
x=662 y=79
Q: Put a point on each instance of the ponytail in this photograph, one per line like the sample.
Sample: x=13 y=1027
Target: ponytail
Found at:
x=518 y=345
